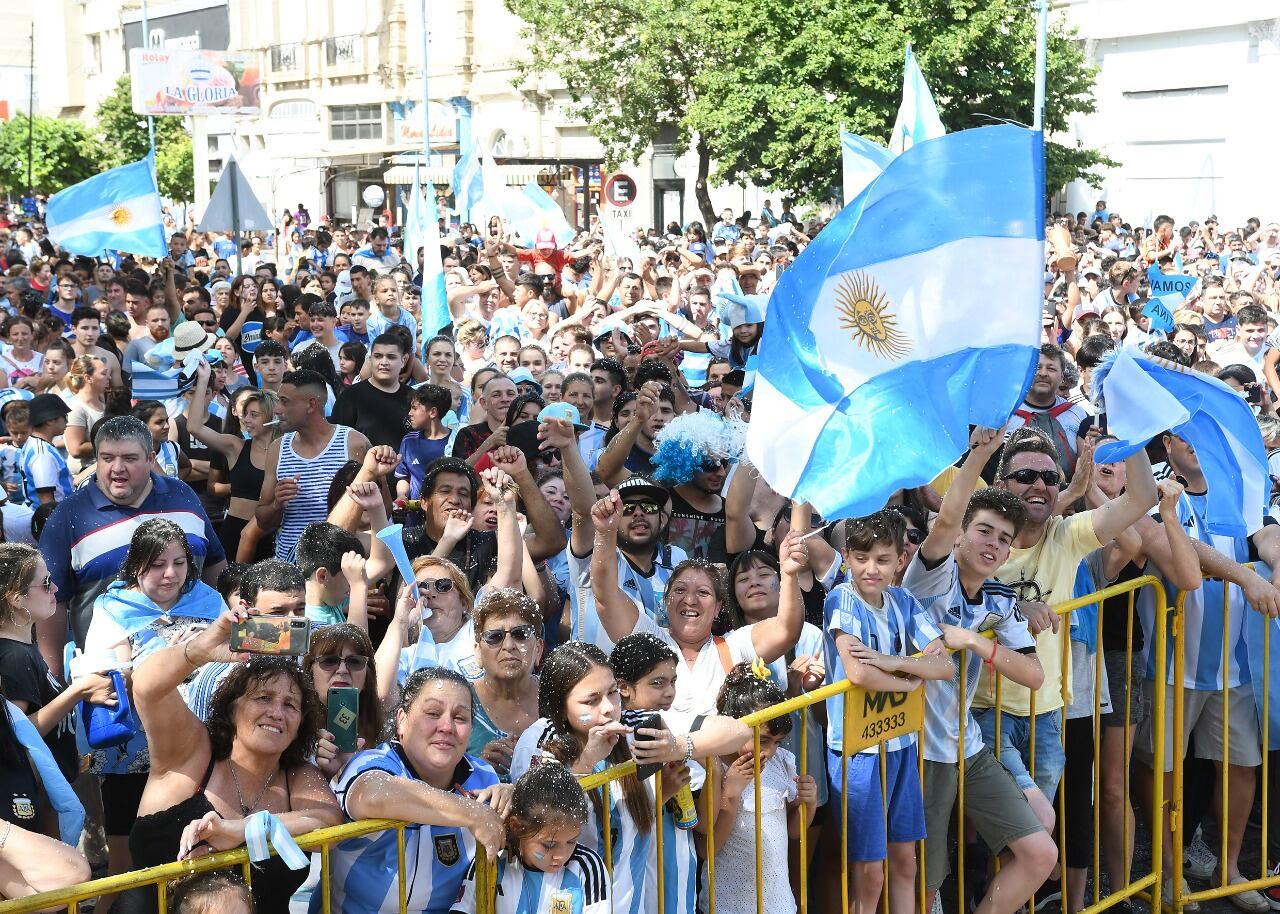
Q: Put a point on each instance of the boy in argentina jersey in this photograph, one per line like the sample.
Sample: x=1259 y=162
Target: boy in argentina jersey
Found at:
x=872 y=631
x=949 y=575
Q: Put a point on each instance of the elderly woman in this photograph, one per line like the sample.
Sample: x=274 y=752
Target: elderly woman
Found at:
x=508 y=645
x=422 y=774
x=207 y=780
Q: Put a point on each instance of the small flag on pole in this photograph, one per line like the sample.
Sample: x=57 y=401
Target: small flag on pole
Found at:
x=918 y=114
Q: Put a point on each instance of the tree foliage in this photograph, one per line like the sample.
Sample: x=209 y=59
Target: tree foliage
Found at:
x=64 y=153
x=763 y=86
x=124 y=139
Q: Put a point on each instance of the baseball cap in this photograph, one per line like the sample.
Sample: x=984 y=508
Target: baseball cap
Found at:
x=1084 y=310
x=641 y=488
x=524 y=376
x=562 y=410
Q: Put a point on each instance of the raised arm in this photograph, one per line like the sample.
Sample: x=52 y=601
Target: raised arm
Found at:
x=502 y=489
x=558 y=433
x=548 y=533
x=612 y=464
x=984 y=442
x=773 y=637
x=227 y=445
x=739 y=528
x=618 y=614
x=1138 y=498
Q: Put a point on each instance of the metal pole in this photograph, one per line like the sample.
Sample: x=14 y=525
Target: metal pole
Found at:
x=146 y=42
x=31 y=110
x=1042 y=55
x=233 y=175
x=426 y=119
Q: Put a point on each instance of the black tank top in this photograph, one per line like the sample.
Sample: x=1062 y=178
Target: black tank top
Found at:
x=154 y=841
x=245 y=478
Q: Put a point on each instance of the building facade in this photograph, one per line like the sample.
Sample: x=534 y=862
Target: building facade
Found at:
x=1186 y=103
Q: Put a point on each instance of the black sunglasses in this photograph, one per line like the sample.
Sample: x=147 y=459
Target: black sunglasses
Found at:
x=330 y=662
x=1026 y=477
x=440 y=585
x=495 y=636
x=645 y=507
x=915 y=537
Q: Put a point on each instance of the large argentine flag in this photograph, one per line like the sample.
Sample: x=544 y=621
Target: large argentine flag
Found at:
x=1145 y=396
x=119 y=209
x=435 y=301
x=890 y=335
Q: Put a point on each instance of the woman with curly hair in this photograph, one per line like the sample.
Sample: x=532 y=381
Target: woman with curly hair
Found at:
x=207 y=780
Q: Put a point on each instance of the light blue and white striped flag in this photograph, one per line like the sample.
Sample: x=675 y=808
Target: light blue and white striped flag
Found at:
x=119 y=209
x=468 y=182
x=1144 y=397
x=883 y=343
x=153 y=384
x=862 y=161
x=918 y=114
x=423 y=227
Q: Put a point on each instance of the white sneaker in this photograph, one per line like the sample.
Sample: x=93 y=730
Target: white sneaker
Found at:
x=1198 y=862
x=1190 y=907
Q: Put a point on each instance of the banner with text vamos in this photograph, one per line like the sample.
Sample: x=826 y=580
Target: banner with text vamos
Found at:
x=194 y=82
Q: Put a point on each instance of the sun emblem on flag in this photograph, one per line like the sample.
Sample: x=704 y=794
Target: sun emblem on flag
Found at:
x=865 y=309
x=121 y=216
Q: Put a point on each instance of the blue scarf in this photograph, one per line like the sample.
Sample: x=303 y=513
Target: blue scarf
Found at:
x=134 y=611
x=63 y=798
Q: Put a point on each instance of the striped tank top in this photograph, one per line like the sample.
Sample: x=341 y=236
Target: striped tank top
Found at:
x=315 y=474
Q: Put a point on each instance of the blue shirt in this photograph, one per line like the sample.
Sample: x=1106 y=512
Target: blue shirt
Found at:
x=42 y=467
x=87 y=538
x=416 y=454
x=363 y=874
x=379 y=323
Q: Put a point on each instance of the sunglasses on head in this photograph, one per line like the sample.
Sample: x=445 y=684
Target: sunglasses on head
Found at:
x=440 y=585
x=330 y=662
x=646 y=507
x=1026 y=477
x=495 y=636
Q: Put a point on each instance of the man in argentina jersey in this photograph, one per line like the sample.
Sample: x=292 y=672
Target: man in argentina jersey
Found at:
x=582 y=884
x=1205 y=630
x=970 y=539
x=363 y=871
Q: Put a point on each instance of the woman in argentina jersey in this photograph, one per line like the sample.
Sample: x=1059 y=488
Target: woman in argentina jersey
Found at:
x=421 y=776
x=543 y=868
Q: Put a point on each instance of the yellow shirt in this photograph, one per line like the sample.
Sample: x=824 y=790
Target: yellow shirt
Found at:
x=1052 y=563
x=944 y=480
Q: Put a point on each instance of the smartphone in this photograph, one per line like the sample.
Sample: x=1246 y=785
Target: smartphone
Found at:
x=344 y=714
x=648 y=720
x=272 y=635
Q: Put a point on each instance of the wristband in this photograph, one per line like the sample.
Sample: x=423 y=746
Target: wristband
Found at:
x=688 y=753
x=991 y=661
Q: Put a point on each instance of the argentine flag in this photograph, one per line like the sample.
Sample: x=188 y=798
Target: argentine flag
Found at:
x=423 y=229
x=119 y=209
x=918 y=114
x=888 y=337
x=1143 y=397
x=862 y=161
x=468 y=182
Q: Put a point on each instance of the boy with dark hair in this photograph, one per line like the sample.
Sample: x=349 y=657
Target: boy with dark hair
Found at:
x=426 y=444
x=332 y=561
x=872 y=631
x=355 y=319
x=951 y=577
x=269 y=361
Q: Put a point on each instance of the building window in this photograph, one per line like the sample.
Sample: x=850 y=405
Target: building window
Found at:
x=342 y=51
x=93 y=55
x=355 y=122
x=285 y=57
x=297 y=108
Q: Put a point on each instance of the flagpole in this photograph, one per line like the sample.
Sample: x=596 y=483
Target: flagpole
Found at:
x=31 y=111
x=426 y=159
x=146 y=33
x=1042 y=55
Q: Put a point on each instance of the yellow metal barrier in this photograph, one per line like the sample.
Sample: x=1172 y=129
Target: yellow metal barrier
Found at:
x=1223 y=889
x=161 y=876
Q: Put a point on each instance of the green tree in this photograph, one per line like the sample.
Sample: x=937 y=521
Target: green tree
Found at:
x=761 y=87
x=64 y=153
x=124 y=138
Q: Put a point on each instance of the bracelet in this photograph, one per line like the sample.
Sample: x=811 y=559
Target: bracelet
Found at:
x=8 y=827
x=688 y=752
x=186 y=656
x=991 y=661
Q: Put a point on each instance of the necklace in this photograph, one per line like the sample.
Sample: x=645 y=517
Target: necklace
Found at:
x=245 y=809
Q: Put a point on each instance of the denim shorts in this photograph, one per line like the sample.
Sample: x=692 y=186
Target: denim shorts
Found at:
x=1015 y=747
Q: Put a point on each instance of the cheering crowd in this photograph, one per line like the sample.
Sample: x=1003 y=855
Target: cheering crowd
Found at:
x=201 y=623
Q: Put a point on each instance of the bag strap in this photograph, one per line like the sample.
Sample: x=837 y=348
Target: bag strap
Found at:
x=722 y=648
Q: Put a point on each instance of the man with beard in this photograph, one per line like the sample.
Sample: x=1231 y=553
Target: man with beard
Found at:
x=1049 y=413
x=87 y=537
x=645 y=559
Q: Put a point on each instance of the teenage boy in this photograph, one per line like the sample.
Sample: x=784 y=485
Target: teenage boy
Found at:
x=424 y=445
x=322 y=321
x=950 y=576
x=332 y=562
x=871 y=634
x=269 y=361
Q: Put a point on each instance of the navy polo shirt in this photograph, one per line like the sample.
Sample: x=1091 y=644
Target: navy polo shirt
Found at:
x=87 y=538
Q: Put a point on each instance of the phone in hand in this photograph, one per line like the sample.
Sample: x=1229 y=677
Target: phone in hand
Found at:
x=287 y=635
x=344 y=716
x=647 y=720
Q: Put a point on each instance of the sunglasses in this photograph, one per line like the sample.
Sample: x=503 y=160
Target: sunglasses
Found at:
x=495 y=636
x=646 y=507
x=440 y=585
x=915 y=537
x=330 y=662
x=46 y=584
x=1027 y=477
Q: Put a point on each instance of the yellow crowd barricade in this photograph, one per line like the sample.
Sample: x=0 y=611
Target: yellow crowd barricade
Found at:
x=870 y=719
x=1219 y=887
x=321 y=839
